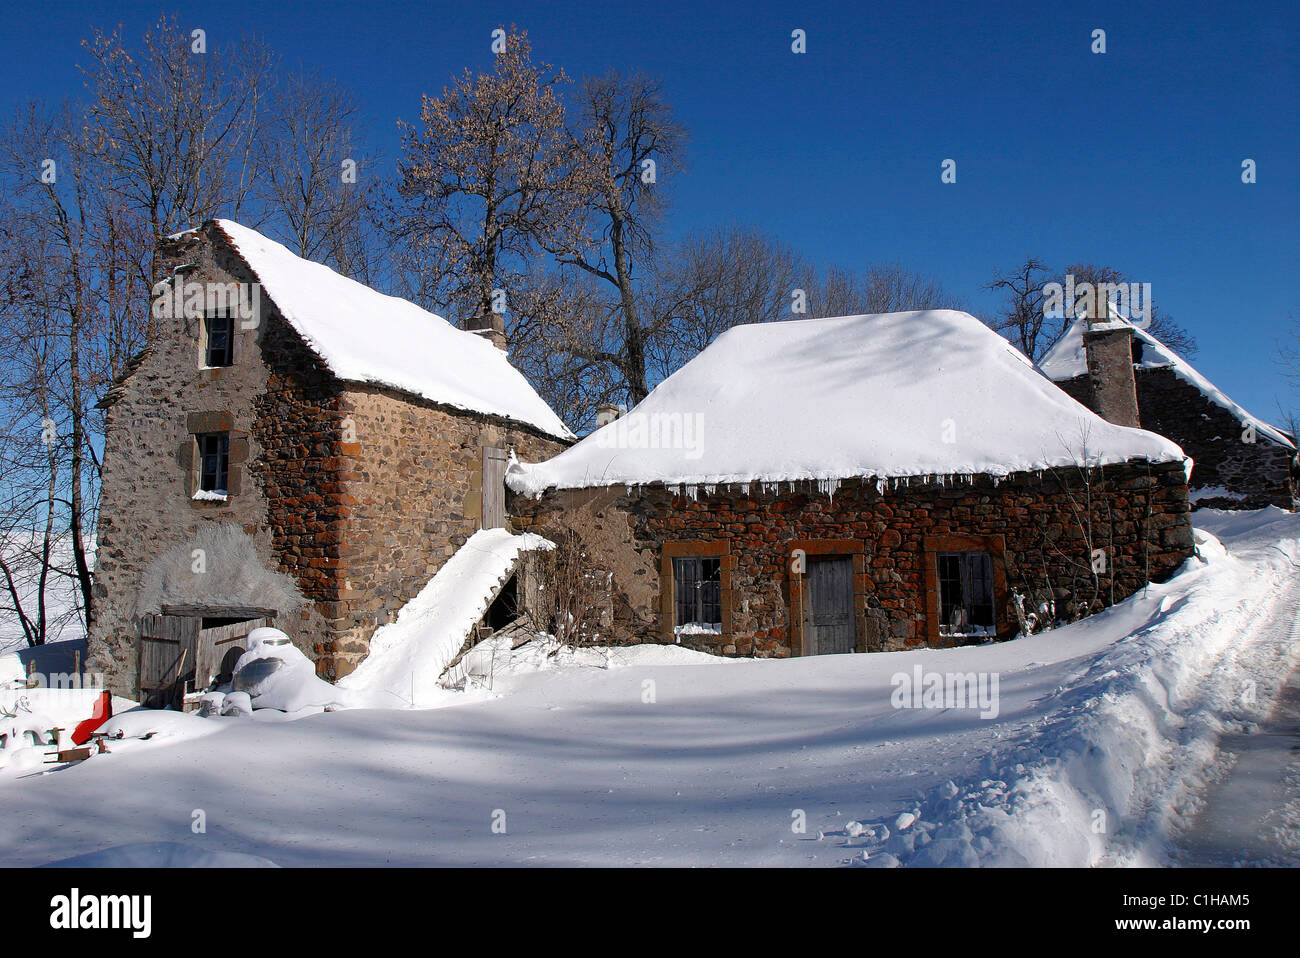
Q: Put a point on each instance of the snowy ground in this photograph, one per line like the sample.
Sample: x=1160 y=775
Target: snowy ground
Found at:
x=1104 y=740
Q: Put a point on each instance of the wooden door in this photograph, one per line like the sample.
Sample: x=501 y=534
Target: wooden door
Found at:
x=219 y=648
x=494 y=489
x=828 y=625
x=163 y=639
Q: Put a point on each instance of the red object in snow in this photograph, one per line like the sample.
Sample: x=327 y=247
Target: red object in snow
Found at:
x=103 y=712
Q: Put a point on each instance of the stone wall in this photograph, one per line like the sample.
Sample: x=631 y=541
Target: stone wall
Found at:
x=149 y=524
x=344 y=499
x=1259 y=473
x=1139 y=518
x=411 y=479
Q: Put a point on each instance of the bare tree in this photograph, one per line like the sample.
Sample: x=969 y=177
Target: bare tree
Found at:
x=713 y=281
x=628 y=140
x=60 y=273
x=1161 y=326
x=1022 y=320
x=1289 y=353
x=314 y=183
x=882 y=288
x=482 y=176
x=174 y=125
x=557 y=315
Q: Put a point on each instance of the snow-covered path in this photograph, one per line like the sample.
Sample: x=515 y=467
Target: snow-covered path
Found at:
x=647 y=762
x=1252 y=816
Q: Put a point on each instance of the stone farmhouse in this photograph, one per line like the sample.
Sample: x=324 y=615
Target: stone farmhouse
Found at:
x=1241 y=462
x=291 y=448
x=294 y=448
x=863 y=483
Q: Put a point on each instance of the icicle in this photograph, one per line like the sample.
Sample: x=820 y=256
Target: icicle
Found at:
x=829 y=487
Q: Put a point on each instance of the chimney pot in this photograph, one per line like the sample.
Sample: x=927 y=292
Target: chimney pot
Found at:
x=491 y=326
x=1108 y=347
x=606 y=413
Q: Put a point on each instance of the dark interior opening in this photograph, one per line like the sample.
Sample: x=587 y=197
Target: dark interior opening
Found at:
x=505 y=607
x=212 y=621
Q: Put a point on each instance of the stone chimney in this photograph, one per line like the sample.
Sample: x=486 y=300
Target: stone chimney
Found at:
x=1108 y=346
x=491 y=326
x=606 y=413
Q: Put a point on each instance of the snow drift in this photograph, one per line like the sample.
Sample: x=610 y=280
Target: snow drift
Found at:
x=407 y=656
x=1113 y=769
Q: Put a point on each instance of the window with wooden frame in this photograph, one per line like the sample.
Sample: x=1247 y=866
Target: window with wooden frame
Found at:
x=214 y=462
x=966 y=588
x=697 y=595
x=965 y=594
x=218 y=339
x=695 y=583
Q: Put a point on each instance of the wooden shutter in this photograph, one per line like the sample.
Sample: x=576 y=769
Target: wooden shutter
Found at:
x=494 y=489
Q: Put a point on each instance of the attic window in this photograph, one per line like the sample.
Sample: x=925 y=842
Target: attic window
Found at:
x=218 y=330
x=214 y=462
x=965 y=593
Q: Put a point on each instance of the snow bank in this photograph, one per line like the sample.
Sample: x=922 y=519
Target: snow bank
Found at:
x=368 y=337
x=276 y=675
x=1112 y=770
x=162 y=855
x=933 y=393
x=1067 y=359
x=407 y=656
x=502 y=665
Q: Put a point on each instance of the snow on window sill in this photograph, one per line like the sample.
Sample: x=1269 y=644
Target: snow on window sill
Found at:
x=969 y=632
x=698 y=628
x=206 y=495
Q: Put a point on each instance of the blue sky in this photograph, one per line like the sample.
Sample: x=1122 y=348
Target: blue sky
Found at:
x=1130 y=159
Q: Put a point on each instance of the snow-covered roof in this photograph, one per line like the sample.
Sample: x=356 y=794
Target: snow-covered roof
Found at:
x=931 y=393
x=1067 y=359
x=366 y=336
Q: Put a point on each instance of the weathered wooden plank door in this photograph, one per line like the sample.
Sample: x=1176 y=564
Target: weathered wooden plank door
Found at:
x=219 y=648
x=828 y=625
x=494 y=488
x=162 y=640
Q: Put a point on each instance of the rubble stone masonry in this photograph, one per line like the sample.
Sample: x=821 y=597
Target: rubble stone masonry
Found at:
x=344 y=499
x=1041 y=531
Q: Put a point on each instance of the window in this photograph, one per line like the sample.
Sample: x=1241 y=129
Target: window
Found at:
x=217 y=350
x=214 y=462
x=697 y=593
x=965 y=593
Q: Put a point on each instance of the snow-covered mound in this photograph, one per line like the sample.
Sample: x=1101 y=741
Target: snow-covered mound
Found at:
x=1067 y=359
x=368 y=337
x=407 y=656
x=932 y=393
x=1113 y=768
x=496 y=659
x=276 y=675
x=162 y=855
